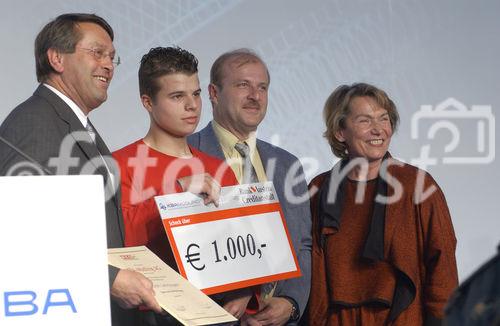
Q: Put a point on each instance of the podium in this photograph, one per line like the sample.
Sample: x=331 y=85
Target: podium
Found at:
x=54 y=268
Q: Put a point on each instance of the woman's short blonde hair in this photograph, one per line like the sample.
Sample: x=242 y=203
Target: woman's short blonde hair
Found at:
x=337 y=107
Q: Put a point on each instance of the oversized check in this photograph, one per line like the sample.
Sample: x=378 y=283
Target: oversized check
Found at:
x=174 y=294
x=242 y=242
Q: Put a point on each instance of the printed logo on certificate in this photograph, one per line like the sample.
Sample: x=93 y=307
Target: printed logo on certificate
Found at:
x=241 y=243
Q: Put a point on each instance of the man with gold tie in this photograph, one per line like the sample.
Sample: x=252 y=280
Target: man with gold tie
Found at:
x=239 y=83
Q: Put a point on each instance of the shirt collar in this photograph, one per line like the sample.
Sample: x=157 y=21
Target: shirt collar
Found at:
x=79 y=113
x=227 y=139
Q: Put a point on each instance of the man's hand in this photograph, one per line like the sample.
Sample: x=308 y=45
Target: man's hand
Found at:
x=132 y=289
x=236 y=302
x=248 y=320
x=276 y=311
x=202 y=184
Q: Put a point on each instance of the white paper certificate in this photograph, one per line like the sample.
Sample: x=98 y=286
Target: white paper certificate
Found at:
x=174 y=294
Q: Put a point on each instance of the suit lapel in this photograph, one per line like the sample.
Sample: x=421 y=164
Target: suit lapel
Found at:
x=273 y=171
x=264 y=156
x=209 y=142
x=269 y=162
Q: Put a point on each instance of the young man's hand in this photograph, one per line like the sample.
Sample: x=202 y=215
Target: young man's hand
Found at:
x=202 y=184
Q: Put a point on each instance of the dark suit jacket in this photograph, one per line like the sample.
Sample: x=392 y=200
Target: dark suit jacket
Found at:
x=277 y=162
x=38 y=127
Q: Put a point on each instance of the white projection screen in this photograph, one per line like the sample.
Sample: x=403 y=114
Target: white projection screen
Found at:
x=428 y=55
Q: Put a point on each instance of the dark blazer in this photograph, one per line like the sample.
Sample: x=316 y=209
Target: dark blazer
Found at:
x=277 y=163
x=38 y=127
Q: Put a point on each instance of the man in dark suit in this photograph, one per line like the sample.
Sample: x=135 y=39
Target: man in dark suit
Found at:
x=75 y=61
x=238 y=90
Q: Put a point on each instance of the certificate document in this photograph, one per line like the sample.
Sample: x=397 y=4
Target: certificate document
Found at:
x=176 y=295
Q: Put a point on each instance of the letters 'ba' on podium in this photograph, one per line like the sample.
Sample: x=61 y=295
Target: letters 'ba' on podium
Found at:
x=53 y=251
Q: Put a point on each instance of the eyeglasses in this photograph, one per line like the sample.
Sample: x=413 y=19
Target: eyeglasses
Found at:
x=100 y=54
